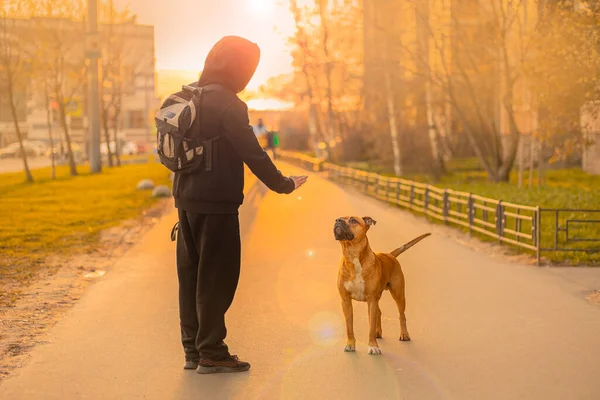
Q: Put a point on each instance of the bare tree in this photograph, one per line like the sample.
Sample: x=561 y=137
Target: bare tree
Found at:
x=425 y=112
x=300 y=40
x=107 y=62
x=62 y=57
x=392 y=110
x=477 y=77
x=14 y=67
x=322 y=6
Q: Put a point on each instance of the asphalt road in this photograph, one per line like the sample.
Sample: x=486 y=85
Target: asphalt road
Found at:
x=482 y=328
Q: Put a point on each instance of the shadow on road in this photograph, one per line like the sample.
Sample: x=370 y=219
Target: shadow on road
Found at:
x=224 y=386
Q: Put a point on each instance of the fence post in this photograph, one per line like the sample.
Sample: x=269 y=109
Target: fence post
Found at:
x=446 y=205
x=412 y=195
x=398 y=186
x=426 y=199
x=471 y=212
x=500 y=220
x=387 y=191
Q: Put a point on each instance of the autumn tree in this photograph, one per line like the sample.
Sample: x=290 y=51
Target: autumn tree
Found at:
x=327 y=62
x=437 y=72
x=565 y=74
x=122 y=69
x=112 y=84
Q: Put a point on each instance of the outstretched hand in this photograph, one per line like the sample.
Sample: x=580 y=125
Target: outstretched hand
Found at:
x=298 y=181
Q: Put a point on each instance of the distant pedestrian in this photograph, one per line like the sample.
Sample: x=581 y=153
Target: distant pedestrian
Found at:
x=260 y=130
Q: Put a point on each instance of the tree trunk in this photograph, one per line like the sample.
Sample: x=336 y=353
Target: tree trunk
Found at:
x=509 y=161
x=115 y=136
x=106 y=73
x=50 y=137
x=107 y=137
x=63 y=121
x=540 y=163
x=13 y=109
x=521 y=149
x=439 y=167
x=391 y=108
x=313 y=128
x=503 y=175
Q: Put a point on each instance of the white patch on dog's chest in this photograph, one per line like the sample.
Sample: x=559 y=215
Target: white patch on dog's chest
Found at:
x=356 y=287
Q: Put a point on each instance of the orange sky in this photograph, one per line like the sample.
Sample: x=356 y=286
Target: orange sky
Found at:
x=185 y=31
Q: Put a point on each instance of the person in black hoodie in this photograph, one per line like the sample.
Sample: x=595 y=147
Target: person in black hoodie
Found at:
x=208 y=241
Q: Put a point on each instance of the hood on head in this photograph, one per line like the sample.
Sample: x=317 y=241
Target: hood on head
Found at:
x=231 y=62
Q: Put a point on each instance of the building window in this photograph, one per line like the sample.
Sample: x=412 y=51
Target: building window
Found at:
x=136 y=119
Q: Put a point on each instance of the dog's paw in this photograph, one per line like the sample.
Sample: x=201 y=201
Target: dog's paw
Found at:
x=404 y=337
x=374 y=351
x=350 y=348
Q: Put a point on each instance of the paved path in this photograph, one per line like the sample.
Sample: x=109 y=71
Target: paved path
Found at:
x=481 y=328
x=16 y=164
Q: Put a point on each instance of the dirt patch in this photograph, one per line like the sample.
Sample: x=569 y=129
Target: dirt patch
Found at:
x=40 y=305
x=594 y=297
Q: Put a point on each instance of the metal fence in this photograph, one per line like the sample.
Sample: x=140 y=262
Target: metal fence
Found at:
x=514 y=224
x=573 y=230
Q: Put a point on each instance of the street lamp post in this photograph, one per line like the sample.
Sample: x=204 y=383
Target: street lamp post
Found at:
x=93 y=55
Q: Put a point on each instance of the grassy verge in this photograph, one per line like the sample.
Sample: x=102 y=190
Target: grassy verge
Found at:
x=569 y=188
x=65 y=215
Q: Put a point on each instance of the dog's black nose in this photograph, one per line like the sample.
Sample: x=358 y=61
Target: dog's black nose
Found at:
x=339 y=220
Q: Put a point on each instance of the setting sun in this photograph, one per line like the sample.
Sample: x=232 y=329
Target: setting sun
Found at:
x=260 y=7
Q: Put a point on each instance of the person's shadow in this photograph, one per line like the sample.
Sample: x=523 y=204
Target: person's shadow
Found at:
x=249 y=209
x=213 y=387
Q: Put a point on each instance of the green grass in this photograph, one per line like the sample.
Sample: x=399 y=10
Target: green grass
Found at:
x=567 y=188
x=571 y=188
x=65 y=215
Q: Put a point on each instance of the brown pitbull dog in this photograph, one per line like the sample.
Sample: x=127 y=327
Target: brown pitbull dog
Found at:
x=364 y=275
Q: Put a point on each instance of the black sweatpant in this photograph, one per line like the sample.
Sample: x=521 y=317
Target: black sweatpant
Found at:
x=208 y=268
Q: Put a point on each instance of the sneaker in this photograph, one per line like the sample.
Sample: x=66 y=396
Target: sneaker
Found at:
x=230 y=364
x=190 y=364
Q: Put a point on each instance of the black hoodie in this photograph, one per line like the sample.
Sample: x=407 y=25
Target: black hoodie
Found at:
x=231 y=63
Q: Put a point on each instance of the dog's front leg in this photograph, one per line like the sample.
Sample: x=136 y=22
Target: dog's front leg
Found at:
x=349 y=316
x=372 y=303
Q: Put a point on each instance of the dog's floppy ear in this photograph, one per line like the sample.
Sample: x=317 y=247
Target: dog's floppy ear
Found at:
x=369 y=222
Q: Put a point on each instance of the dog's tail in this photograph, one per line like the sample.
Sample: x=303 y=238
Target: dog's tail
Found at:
x=408 y=245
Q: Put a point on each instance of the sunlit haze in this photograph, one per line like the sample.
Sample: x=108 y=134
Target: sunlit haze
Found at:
x=185 y=31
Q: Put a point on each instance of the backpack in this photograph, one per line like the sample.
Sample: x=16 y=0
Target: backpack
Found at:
x=180 y=149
